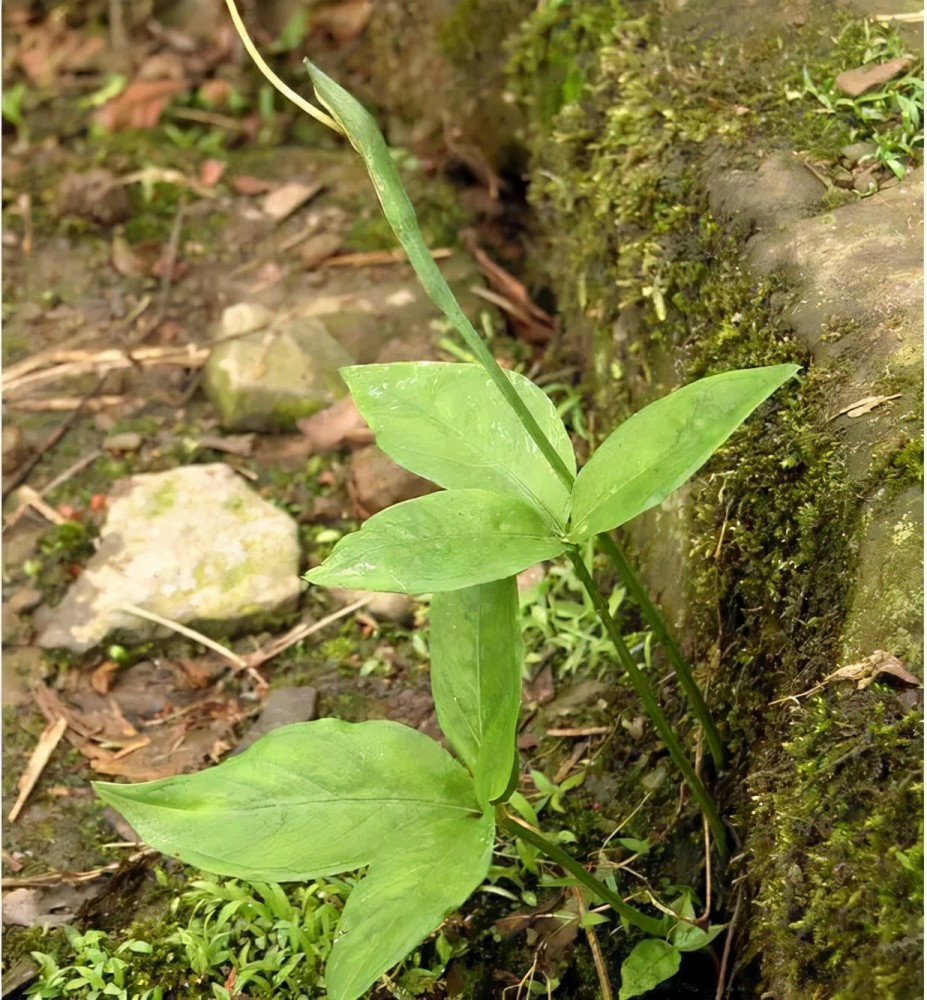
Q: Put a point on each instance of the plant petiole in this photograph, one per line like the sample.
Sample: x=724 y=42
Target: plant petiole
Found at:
x=642 y=687
x=518 y=828
x=657 y=623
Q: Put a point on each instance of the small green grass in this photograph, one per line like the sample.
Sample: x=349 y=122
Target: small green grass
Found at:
x=222 y=938
x=560 y=625
x=890 y=118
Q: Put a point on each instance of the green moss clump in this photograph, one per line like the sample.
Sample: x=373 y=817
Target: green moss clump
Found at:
x=620 y=154
x=839 y=812
x=61 y=550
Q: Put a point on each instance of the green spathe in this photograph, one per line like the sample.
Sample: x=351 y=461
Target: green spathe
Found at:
x=443 y=541
x=476 y=654
x=449 y=423
x=657 y=449
x=324 y=797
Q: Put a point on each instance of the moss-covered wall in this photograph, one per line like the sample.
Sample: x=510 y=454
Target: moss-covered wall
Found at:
x=778 y=534
x=683 y=222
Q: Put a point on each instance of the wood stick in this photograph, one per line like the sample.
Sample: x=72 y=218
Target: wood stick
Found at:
x=300 y=632
x=51 y=735
x=378 y=257
x=62 y=404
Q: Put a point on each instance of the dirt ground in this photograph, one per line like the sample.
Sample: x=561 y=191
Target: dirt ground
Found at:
x=150 y=181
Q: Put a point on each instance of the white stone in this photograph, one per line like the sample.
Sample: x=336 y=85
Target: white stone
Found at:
x=244 y=317
x=194 y=545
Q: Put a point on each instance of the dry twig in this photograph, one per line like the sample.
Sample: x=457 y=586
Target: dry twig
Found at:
x=378 y=257
x=49 y=739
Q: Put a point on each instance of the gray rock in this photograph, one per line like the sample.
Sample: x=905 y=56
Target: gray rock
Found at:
x=245 y=317
x=387 y=607
x=129 y=441
x=267 y=379
x=780 y=190
x=377 y=482
x=282 y=707
x=857 y=151
x=194 y=545
x=25 y=600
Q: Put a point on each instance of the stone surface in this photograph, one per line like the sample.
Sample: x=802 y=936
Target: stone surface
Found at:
x=377 y=482
x=318 y=248
x=282 y=707
x=765 y=198
x=267 y=379
x=385 y=606
x=857 y=300
x=194 y=545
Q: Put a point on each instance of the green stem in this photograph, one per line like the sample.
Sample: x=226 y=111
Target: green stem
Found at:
x=642 y=686
x=649 y=925
x=656 y=622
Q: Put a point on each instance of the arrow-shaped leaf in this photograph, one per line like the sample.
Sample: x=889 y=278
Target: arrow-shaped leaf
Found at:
x=318 y=798
x=450 y=424
x=655 y=451
x=476 y=654
x=443 y=541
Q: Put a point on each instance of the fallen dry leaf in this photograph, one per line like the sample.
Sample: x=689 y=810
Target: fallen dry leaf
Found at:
x=46 y=51
x=211 y=171
x=101 y=680
x=531 y=322
x=35 y=907
x=863 y=673
x=283 y=202
x=48 y=740
x=854 y=82
x=864 y=406
x=868 y=404
x=246 y=185
x=343 y=21
x=870 y=669
x=140 y=105
x=340 y=423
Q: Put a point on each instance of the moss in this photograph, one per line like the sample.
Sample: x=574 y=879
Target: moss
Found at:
x=618 y=161
x=61 y=550
x=162 y=500
x=839 y=813
x=902 y=462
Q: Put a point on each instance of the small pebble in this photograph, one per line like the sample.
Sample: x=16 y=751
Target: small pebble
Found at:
x=318 y=248
x=25 y=600
x=856 y=151
x=129 y=441
x=388 y=607
x=843 y=178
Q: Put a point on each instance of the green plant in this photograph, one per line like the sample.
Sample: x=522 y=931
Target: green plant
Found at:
x=560 y=624
x=272 y=940
x=96 y=972
x=891 y=117
x=314 y=799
